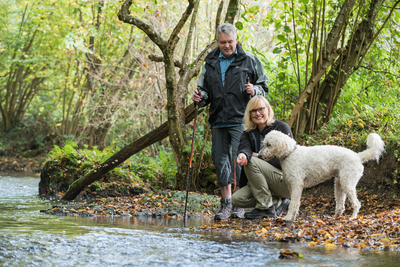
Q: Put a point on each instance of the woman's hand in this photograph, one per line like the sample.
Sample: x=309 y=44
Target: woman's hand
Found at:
x=242 y=159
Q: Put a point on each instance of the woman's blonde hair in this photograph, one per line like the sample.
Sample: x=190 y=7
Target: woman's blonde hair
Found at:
x=254 y=102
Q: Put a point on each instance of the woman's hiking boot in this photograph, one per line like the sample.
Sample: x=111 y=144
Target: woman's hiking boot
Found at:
x=259 y=214
x=237 y=213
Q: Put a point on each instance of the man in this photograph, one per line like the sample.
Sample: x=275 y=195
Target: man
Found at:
x=230 y=77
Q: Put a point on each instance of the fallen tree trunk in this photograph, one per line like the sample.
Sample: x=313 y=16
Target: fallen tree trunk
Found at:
x=154 y=136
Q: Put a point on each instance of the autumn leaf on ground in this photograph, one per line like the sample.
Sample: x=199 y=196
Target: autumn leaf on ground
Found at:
x=287 y=254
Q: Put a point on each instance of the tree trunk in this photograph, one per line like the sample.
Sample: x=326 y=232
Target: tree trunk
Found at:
x=177 y=116
x=20 y=84
x=97 y=128
x=362 y=36
x=154 y=136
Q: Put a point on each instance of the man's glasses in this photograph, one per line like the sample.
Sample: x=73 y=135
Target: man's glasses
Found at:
x=254 y=111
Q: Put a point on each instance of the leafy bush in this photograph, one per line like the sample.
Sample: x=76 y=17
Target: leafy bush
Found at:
x=158 y=170
x=351 y=130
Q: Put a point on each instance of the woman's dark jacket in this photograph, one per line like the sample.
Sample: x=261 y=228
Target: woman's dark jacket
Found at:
x=251 y=141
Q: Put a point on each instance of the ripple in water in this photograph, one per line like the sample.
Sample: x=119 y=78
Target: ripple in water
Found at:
x=29 y=238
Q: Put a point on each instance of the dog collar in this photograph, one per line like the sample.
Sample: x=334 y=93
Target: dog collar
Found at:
x=284 y=157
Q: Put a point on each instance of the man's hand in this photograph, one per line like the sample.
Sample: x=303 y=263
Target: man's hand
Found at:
x=197 y=96
x=250 y=89
x=242 y=159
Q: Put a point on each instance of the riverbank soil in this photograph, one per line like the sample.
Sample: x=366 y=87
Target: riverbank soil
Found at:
x=17 y=164
x=377 y=226
x=167 y=204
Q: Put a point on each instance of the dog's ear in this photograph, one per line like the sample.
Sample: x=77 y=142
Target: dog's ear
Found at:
x=280 y=143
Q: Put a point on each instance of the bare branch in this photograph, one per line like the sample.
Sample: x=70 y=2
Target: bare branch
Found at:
x=379 y=71
x=311 y=85
x=353 y=32
x=156 y=58
x=218 y=17
x=123 y=15
x=23 y=19
x=233 y=8
x=199 y=60
x=308 y=54
x=334 y=35
x=173 y=39
x=189 y=39
x=379 y=31
x=297 y=51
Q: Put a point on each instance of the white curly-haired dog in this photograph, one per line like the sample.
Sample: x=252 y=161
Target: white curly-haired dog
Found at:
x=304 y=167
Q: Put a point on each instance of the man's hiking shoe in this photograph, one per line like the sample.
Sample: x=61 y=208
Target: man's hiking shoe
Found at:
x=259 y=214
x=225 y=211
x=283 y=207
x=237 y=212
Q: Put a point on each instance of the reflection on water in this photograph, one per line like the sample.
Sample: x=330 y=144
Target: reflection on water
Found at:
x=30 y=238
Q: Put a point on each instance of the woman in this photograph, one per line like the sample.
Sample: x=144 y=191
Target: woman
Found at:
x=261 y=182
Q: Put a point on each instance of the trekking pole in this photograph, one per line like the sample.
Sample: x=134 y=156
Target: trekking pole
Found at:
x=196 y=104
x=248 y=82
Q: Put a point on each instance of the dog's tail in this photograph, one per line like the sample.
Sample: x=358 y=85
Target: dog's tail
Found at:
x=375 y=148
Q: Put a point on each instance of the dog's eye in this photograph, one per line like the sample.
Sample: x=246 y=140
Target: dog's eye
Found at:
x=268 y=144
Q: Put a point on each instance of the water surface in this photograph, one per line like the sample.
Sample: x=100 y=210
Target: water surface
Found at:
x=31 y=238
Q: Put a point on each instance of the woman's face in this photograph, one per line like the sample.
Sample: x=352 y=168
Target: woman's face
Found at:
x=259 y=114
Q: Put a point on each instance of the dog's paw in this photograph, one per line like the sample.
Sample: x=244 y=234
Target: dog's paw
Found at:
x=337 y=217
x=287 y=219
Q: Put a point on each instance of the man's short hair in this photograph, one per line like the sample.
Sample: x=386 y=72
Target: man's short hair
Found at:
x=226 y=28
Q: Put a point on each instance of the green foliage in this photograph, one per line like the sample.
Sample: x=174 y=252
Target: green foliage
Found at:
x=291 y=31
x=96 y=186
x=29 y=51
x=68 y=150
x=157 y=171
x=351 y=130
x=168 y=165
x=61 y=47
x=201 y=144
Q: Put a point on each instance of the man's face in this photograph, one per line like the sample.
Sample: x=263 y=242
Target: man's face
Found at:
x=227 y=44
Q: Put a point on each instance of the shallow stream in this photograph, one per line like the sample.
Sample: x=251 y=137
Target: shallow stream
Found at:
x=31 y=238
